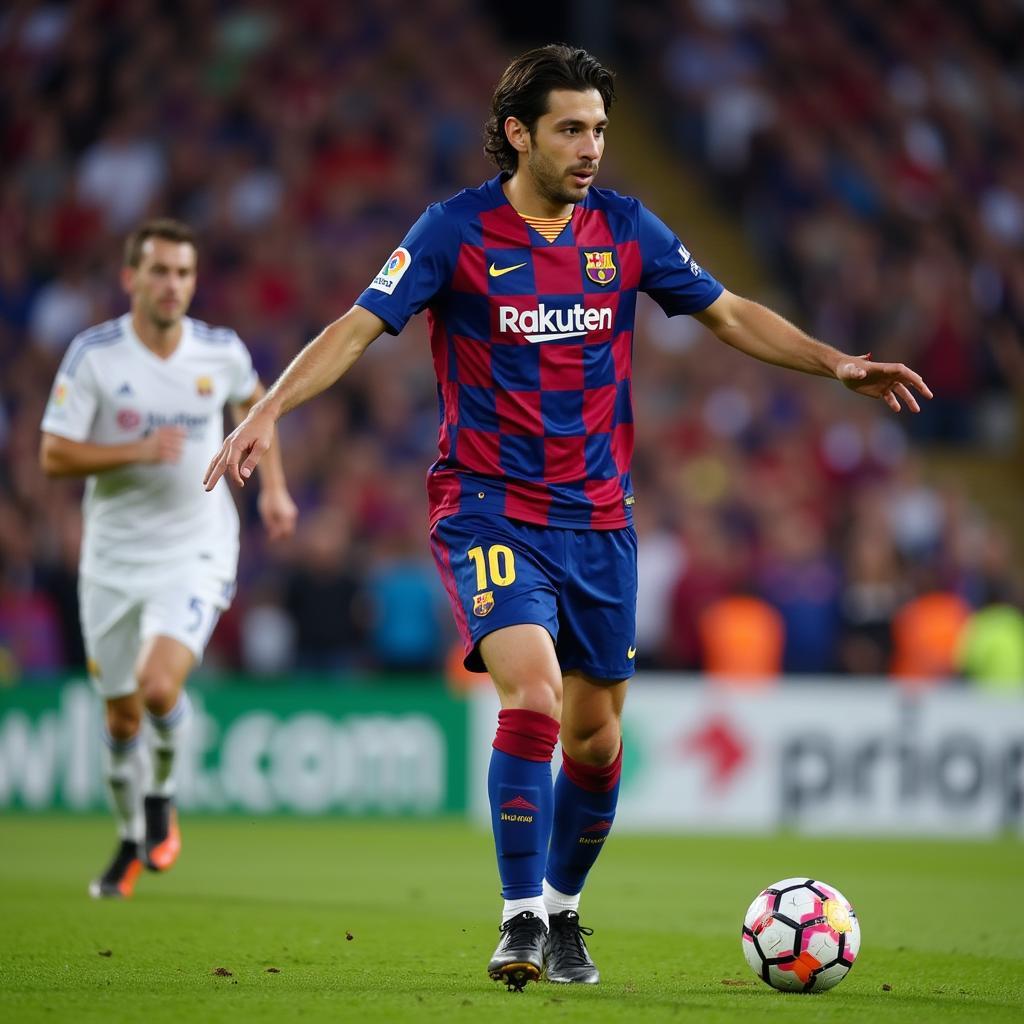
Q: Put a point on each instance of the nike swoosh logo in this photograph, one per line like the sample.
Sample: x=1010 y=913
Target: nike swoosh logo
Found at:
x=495 y=272
x=631 y=653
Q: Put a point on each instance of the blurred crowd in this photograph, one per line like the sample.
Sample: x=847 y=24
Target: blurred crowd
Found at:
x=873 y=153
x=784 y=525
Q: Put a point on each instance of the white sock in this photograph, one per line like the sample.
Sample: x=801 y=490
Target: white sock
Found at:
x=165 y=737
x=122 y=772
x=535 y=904
x=556 y=901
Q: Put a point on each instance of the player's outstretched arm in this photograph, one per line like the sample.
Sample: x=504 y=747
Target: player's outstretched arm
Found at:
x=326 y=358
x=277 y=510
x=60 y=456
x=757 y=331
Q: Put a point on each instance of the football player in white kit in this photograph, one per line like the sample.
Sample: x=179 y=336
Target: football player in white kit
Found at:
x=137 y=408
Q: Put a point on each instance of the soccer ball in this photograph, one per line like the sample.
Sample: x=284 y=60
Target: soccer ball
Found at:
x=800 y=935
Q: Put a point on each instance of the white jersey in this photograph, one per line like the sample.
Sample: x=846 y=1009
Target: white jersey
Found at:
x=144 y=521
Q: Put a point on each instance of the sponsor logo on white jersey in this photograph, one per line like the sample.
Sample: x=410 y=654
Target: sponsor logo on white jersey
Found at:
x=192 y=424
x=393 y=270
x=543 y=324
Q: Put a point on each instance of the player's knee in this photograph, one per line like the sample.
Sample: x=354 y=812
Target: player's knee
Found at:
x=159 y=690
x=541 y=695
x=597 y=747
x=123 y=722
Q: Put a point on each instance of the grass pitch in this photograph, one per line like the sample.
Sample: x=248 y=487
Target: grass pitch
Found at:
x=286 y=920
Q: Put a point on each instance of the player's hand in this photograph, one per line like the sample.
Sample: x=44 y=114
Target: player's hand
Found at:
x=892 y=382
x=242 y=449
x=278 y=512
x=165 y=444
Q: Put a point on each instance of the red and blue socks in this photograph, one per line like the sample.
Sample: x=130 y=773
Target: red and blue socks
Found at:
x=585 y=798
x=521 y=798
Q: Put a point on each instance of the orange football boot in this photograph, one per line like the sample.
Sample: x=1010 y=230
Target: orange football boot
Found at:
x=163 y=839
x=118 y=881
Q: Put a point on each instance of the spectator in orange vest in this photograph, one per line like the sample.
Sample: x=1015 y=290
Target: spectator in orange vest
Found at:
x=925 y=632
x=742 y=639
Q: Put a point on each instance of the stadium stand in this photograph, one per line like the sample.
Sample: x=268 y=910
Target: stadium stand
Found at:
x=869 y=159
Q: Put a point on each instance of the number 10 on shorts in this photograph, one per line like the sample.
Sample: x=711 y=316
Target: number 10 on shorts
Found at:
x=499 y=564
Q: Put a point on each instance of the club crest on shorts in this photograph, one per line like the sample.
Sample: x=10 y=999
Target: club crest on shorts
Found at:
x=483 y=603
x=601 y=267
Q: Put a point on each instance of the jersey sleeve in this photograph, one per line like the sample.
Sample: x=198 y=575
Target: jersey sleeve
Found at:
x=243 y=377
x=669 y=273
x=416 y=271
x=74 y=398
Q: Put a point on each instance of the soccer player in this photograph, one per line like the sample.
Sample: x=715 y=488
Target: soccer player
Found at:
x=530 y=283
x=138 y=408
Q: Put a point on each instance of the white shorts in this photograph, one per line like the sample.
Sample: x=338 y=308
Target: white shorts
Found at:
x=117 y=620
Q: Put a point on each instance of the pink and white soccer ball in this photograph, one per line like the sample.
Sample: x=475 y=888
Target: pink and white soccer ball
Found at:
x=801 y=935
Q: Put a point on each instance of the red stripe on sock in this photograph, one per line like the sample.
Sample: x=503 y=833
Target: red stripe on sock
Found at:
x=530 y=735
x=593 y=778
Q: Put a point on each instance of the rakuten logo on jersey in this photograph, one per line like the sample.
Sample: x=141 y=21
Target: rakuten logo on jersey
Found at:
x=194 y=426
x=543 y=324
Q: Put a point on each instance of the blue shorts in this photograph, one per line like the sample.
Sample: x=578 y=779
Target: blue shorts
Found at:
x=580 y=585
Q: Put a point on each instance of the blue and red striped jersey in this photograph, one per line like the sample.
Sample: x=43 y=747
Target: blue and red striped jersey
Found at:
x=532 y=344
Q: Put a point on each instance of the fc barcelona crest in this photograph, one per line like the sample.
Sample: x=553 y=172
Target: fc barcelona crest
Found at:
x=483 y=603
x=601 y=267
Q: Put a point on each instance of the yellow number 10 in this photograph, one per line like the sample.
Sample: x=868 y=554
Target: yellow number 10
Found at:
x=500 y=561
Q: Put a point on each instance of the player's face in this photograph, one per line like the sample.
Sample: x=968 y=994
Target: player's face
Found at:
x=566 y=145
x=162 y=285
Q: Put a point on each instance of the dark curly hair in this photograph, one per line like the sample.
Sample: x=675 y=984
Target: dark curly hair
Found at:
x=524 y=87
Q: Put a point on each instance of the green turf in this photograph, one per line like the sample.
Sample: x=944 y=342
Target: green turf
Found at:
x=383 y=922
